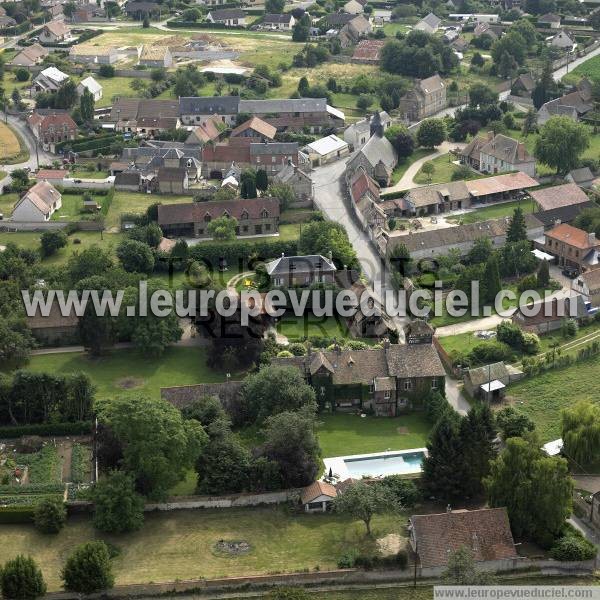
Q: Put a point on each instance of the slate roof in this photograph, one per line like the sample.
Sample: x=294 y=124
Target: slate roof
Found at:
x=283 y=105
x=378 y=149
x=194 y=212
x=582 y=175
x=576 y=99
x=338 y=19
x=434 y=194
x=277 y=18
x=271 y=148
x=311 y=263
x=431 y=20
x=485 y=532
x=559 y=195
x=431 y=84
x=209 y=105
x=554 y=309
x=171 y=174
x=564 y=214
x=227 y=13
x=526 y=80
x=507 y=149
x=127 y=178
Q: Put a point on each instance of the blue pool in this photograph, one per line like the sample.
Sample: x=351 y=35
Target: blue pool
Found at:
x=400 y=463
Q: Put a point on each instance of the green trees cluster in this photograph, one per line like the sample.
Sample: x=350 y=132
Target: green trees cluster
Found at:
x=459 y=454
x=431 y=133
x=581 y=434
x=88 y=569
x=560 y=144
x=536 y=489
x=323 y=237
x=52 y=241
x=21 y=579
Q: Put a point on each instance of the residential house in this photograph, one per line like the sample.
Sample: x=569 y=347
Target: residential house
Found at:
x=90 y=84
x=38 y=204
x=299 y=181
x=54 y=32
x=558 y=196
x=95 y=55
x=573 y=105
x=6 y=21
x=434 y=199
x=172 y=180
x=552 y=313
x=429 y=24
x=582 y=177
x=437 y=242
x=55 y=329
x=573 y=247
x=193 y=109
x=386 y=381
x=364 y=199
x=460 y=44
x=86 y=13
x=450 y=35
x=327 y=149
x=318 y=496
x=497 y=154
x=354 y=7
x=146 y=117
x=51 y=127
x=274 y=156
x=367 y=52
x=29 y=56
x=356 y=29
x=493 y=31
x=338 y=20
x=48 y=80
x=485 y=533
x=549 y=21
x=588 y=285
x=563 y=41
x=53 y=176
x=300 y=271
x=523 y=85
x=426 y=98
x=155 y=56
x=377 y=157
x=254 y=129
x=206 y=132
x=257 y=216
x=230 y=17
x=360 y=132
x=418 y=332
x=490 y=381
x=284 y=21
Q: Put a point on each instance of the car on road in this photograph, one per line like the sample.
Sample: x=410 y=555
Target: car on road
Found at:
x=570 y=272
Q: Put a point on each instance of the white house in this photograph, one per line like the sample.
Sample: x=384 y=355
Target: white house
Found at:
x=48 y=80
x=326 y=149
x=429 y=24
x=359 y=133
x=562 y=40
x=38 y=204
x=90 y=84
x=317 y=497
x=284 y=21
x=231 y=17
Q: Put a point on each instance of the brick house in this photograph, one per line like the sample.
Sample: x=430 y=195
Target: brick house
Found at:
x=50 y=127
x=573 y=247
x=386 y=381
x=426 y=98
x=258 y=216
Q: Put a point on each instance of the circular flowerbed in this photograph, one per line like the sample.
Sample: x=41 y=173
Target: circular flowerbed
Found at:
x=232 y=547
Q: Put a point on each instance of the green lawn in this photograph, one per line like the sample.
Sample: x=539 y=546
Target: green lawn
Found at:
x=71 y=209
x=401 y=167
x=495 y=211
x=590 y=68
x=341 y=434
x=7 y=202
x=81 y=173
x=179 y=544
x=115 y=86
x=298 y=328
x=444 y=169
x=128 y=372
x=543 y=397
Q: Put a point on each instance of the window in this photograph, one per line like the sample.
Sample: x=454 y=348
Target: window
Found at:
x=407 y=385
x=264 y=214
x=245 y=228
x=387 y=394
x=244 y=214
x=371 y=388
x=207 y=218
x=434 y=383
x=268 y=227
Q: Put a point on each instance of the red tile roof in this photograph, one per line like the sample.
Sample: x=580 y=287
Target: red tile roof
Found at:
x=573 y=237
x=316 y=489
x=257 y=125
x=362 y=184
x=485 y=532
x=51 y=174
x=226 y=153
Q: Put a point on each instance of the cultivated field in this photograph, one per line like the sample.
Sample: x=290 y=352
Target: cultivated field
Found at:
x=10 y=147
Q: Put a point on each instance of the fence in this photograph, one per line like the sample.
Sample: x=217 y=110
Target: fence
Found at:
x=32 y=226
x=334 y=577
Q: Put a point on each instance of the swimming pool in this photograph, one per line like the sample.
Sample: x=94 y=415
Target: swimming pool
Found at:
x=378 y=464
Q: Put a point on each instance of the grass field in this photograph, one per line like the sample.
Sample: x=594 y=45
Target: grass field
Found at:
x=590 y=68
x=543 y=397
x=341 y=434
x=179 y=545
x=297 y=328
x=7 y=201
x=12 y=148
x=128 y=372
x=444 y=169
x=496 y=211
x=85 y=174
x=401 y=167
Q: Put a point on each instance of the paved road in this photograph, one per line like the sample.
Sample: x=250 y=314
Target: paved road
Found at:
x=560 y=73
x=455 y=396
x=329 y=199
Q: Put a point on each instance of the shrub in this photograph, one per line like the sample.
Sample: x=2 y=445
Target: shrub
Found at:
x=573 y=548
x=529 y=282
x=50 y=516
x=489 y=352
x=347 y=560
x=22 y=579
x=405 y=491
x=106 y=71
x=22 y=74
x=297 y=349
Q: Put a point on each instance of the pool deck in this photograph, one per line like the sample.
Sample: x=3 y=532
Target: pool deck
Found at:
x=339 y=467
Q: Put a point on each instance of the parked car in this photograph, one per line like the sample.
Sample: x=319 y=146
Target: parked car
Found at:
x=570 y=272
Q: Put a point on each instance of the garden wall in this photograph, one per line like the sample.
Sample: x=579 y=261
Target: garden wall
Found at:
x=232 y=501
x=32 y=226
x=337 y=577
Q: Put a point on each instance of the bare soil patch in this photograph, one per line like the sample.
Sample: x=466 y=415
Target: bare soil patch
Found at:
x=129 y=383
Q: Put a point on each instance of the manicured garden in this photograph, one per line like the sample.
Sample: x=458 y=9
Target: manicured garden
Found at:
x=298 y=328
x=127 y=371
x=495 y=211
x=344 y=434
x=180 y=544
x=444 y=169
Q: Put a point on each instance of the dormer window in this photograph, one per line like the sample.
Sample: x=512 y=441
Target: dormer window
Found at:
x=264 y=214
x=207 y=218
x=244 y=214
x=226 y=214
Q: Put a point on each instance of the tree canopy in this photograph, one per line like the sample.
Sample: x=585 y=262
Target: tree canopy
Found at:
x=581 y=433
x=560 y=143
x=22 y=579
x=118 y=508
x=88 y=569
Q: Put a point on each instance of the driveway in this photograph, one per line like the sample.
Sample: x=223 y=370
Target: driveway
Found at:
x=330 y=200
x=30 y=142
x=455 y=396
x=406 y=181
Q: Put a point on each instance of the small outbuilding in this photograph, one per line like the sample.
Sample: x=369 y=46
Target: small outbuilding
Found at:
x=318 y=496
